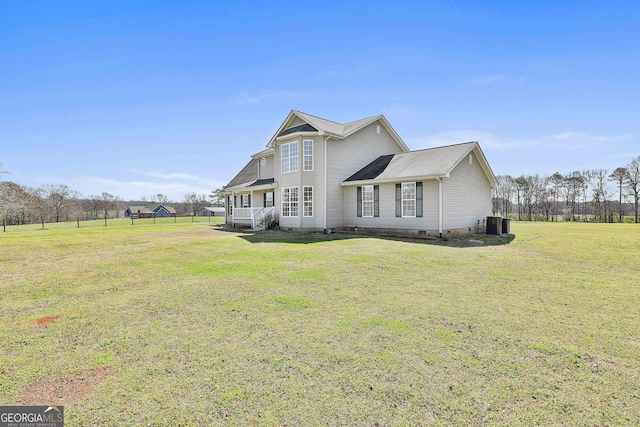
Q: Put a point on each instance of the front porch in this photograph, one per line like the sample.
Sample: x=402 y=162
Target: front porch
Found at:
x=251 y=206
x=254 y=217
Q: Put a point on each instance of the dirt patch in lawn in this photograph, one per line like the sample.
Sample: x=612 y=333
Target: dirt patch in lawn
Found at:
x=66 y=390
x=44 y=320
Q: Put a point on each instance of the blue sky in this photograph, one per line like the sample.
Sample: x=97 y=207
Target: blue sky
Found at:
x=140 y=98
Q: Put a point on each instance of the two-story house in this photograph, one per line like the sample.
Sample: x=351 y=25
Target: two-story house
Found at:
x=317 y=175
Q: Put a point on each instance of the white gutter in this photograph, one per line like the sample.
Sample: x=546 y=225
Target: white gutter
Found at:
x=440 y=210
x=392 y=180
x=324 y=177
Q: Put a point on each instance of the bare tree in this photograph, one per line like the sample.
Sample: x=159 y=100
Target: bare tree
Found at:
x=17 y=203
x=60 y=199
x=107 y=203
x=632 y=183
x=195 y=202
x=92 y=206
x=618 y=177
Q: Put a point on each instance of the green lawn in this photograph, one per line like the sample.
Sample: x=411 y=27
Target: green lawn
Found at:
x=184 y=324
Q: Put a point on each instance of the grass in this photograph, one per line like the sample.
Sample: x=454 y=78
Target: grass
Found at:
x=197 y=326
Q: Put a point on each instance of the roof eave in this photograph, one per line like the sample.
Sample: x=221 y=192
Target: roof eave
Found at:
x=392 y=180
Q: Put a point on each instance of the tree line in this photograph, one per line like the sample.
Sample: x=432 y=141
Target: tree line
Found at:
x=21 y=204
x=589 y=195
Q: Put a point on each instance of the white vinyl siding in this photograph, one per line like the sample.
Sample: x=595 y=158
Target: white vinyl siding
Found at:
x=466 y=196
x=290 y=201
x=307 y=201
x=289 y=157
x=307 y=149
x=367 y=201
x=387 y=218
x=409 y=199
x=346 y=157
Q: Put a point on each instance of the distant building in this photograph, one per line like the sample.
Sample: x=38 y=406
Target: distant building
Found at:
x=212 y=211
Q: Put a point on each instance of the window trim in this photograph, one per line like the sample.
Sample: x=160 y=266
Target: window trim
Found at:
x=289 y=159
x=286 y=201
x=414 y=199
x=367 y=189
x=305 y=155
x=307 y=203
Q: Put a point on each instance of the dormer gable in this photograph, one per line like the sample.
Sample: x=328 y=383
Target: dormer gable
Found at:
x=299 y=123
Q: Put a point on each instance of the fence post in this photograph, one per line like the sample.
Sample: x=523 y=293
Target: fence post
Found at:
x=175 y=218
x=78 y=219
x=42 y=222
x=131 y=219
x=105 y=219
x=4 y=225
x=154 y=219
x=192 y=218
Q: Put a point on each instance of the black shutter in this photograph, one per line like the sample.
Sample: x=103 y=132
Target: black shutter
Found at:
x=235 y=201
x=264 y=200
x=249 y=199
x=398 y=200
x=418 y=200
x=376 y=200
x=359 y=197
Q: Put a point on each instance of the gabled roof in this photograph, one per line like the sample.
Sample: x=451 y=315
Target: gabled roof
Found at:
x=246 y=176
x=141 y=209
x=169 y=209
x=332 y=129
x=428 y=163
x=264 y=153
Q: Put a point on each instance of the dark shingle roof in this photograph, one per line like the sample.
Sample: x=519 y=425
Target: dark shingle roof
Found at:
x=372 y=170
x=263 y=182
x=300 y=128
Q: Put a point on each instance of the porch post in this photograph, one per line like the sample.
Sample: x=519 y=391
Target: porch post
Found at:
x=253 y=218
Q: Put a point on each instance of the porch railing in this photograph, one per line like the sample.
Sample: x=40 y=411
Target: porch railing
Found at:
x=244 y=213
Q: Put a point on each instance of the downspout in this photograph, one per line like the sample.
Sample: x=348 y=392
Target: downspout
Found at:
x=324 y=176
x=440 y=210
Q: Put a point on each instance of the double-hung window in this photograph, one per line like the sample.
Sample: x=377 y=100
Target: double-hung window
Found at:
x=268 y=199
x=308 y=201
x=290 y=201
x=244 y=200
x=289 y=153
x=307 y=149
x=367 y=201
x=408 y=199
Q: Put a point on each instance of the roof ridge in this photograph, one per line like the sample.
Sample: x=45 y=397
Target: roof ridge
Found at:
x=441 y=146
x=318 y=117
